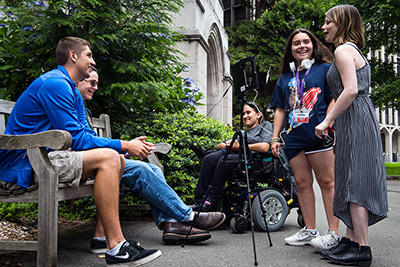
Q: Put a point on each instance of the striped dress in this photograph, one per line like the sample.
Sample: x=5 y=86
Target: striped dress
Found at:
x=359 y=165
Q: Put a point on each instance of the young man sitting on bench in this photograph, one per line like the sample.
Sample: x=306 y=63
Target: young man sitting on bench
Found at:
x=170 y=213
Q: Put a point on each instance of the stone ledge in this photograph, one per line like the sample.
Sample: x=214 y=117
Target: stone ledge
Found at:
x=393 y=177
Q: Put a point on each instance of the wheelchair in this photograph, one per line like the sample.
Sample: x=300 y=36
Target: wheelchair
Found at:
x=269 y=176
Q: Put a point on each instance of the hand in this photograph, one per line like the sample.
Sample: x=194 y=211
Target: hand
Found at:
x=235 y=146
x=321 y=130
x=139 y=148
x=275 y=148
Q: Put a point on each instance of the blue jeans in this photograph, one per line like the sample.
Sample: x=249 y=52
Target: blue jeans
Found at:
x=149 y=181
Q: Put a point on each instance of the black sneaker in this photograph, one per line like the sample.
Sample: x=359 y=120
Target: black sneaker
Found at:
x=133 y=254
x=100 y=246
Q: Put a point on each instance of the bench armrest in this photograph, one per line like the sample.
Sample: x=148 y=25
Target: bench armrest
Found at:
x=54 y=139
x=162 y=148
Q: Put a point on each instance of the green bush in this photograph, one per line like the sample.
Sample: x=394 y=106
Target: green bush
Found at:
x=180 y=130
x=14 y=212
x=392 y=168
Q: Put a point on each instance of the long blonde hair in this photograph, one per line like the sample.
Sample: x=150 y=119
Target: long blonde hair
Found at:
x=349 y=23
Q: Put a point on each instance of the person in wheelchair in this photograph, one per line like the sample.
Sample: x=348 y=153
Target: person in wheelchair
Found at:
x=259 y=134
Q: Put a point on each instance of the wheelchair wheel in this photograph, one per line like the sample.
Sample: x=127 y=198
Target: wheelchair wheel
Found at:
x=239 y=224
x=275 y=207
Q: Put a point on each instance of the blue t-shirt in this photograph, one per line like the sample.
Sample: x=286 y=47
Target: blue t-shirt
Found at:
x=51 y=102
x=316 y=98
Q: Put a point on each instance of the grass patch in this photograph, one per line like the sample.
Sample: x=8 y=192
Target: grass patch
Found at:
x=392 y=168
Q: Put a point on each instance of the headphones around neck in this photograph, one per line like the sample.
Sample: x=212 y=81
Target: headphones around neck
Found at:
x=305 y=64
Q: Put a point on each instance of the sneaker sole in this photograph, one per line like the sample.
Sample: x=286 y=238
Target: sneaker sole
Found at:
x=173 y=238
x=140 y=262
x=322 y=248
x=299 y=243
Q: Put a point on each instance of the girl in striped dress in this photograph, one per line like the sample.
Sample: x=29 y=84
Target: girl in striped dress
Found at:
x=360 y=181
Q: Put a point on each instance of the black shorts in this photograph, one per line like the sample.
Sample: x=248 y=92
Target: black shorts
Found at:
x=326 y=144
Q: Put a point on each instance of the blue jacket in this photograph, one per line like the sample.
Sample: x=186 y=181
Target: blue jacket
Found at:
x=51 y=102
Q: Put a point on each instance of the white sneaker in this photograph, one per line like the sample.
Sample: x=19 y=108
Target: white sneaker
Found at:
x=301 y=238
x=325 y=242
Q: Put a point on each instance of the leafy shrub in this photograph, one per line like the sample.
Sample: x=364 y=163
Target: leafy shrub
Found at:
x=392 y=168
x=14 y=211
x=180 y=130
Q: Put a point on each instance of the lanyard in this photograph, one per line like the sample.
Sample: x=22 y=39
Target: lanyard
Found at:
x=300 y=85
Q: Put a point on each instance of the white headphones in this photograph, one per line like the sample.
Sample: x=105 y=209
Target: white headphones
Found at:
x=305 y=65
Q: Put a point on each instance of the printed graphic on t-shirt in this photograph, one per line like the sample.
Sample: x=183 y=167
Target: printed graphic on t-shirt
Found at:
x=299 y=114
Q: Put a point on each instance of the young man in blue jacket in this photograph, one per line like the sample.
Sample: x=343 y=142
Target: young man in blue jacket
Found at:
x=51 y=102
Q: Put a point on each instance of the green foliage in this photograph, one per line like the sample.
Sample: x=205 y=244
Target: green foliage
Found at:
x=392 y=168
x=182 y=166
x=14 y=211
x=386 y=85
x=132 y=41
x=82 y=208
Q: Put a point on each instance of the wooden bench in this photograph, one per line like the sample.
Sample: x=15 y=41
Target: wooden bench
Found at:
x=49 y=191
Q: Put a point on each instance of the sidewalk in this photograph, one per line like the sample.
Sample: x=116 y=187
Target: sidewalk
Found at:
x=228 y=249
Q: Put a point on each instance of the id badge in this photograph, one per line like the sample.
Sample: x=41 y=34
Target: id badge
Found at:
x=301 y=115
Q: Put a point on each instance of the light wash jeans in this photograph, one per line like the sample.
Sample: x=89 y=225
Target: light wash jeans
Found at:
x=149 y=181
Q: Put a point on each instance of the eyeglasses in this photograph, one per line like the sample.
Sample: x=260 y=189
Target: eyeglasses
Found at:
x=92 y=83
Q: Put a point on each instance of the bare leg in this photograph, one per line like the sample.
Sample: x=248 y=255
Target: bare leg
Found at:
x=304 y=183
x=99 y=230
x=106 y=165
x=359 y=217
x=323 y=166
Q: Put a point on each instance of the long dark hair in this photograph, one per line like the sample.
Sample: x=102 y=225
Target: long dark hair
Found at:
x=321 y=53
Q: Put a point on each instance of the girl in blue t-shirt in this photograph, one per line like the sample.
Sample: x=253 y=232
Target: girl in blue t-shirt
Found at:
x=301 y=100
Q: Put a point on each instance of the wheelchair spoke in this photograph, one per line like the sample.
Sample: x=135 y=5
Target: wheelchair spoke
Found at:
x=273 y=209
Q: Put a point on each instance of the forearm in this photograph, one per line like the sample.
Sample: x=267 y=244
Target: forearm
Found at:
x=259 y=147
x=330 y=106
x=279 y=119
x=222 y=145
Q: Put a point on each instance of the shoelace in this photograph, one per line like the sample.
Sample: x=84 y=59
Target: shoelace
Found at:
x=136 y=245
x=303 y=232
x=328 y=239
